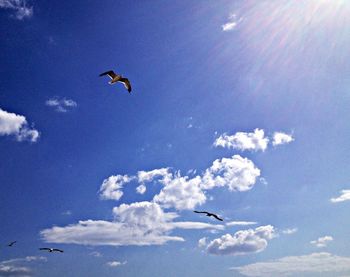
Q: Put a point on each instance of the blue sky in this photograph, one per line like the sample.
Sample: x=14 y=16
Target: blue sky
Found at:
x=240 y=108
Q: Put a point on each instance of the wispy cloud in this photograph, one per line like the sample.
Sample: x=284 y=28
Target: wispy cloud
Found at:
x=232 y=24
x=15 y=267
x=241 y=223
x=20 y=7
x=95 y=254
x=322 y=241
x=242 y=242
x=289 y=231
x=345 y=195
x=61 y=105
x=115 y=263
x=17 y=125
x=315 y=263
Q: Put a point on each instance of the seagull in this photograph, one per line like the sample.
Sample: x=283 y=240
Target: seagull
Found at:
x=51 y=249
x=117 y=78
x=12 y=243
x=209 y=214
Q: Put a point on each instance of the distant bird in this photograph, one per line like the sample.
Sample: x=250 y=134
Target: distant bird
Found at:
x=12 y=243
x=117 y=78
x=51 y=249
x=209 y=214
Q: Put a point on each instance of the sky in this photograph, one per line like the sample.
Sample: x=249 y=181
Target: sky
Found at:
x=240 y=108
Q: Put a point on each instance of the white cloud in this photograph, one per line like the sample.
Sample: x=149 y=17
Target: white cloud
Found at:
x=141 y=189
x=232 y=24
x=242 y=242
x=111 y=187
x=183 y=193
x=19 y=6
x=68 y=212
x=17 y=125
x=315 y=263
x=149 y=176
x=237 y=173
x=61 y=104
x=241 y=223
x=115 y=263
x=14 y=267
x=140 y=223
x=289 y=231
x=244 y=141
x=322 y=241
x=345 y=195
x=281 y=138
x=202 y=242
x=95 y=254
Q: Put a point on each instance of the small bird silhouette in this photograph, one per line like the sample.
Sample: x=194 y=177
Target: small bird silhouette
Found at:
x=209 y=214
x=12 y=243
x=51 y=249
x=117 y=78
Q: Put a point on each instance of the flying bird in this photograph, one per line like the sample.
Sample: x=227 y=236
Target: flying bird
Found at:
x=117 y=78
x=12 y=243
x=209 y=214
x=51 y=249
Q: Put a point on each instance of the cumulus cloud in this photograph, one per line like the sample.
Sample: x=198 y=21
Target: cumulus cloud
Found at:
x=185 y=192
x=315 y=263
x=141 y=189
x=237 y=173
x=111 y=187
x=115 y=263
x=242 y=242
x=20 y=7
x=15 y=267
x=232 y=23
x=16 y=125
x=345 y=195
x=140 y=223
x=254 y=141
x=241 y=223
x=61 y=104
x=202 y=242
x=281 y=138
x=322 y=241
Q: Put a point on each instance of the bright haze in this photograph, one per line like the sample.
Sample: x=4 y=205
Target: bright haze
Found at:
x=238 y=108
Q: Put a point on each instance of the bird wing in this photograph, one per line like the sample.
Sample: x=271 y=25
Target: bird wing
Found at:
x=198 y=212
x=44 y=248
x=218 y=218
x=126 y=83
x=110 y=73
x=58 y=250
x=12 y=243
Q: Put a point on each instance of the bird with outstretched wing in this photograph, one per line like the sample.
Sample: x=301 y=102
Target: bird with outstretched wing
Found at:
x=12 y=243
x=51 y=249
x=117 y=78
x=209 y=214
